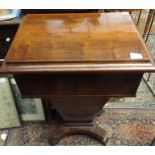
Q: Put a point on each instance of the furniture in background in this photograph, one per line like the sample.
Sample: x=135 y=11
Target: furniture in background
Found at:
x=9 y=113
x=149 y=23
x=7 y=33
x=146 y=34
x=8 y=29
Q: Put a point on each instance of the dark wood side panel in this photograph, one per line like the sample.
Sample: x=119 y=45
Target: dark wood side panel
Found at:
x=88 y=107
x=106 y=84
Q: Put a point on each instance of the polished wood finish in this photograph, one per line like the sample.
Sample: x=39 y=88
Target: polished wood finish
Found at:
x=66 y=41
x=101 y=84
x=78 y=111
x=76 y=62
x=77 y=42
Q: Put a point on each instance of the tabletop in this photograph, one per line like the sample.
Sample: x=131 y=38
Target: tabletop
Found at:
x=77 y=42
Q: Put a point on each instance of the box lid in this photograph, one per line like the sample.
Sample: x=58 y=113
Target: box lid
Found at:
x=92 y=41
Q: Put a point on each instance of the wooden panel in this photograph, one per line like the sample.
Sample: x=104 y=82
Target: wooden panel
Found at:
x=83 y=42
x=89 y=37
x=112 y=84
x=87 y=109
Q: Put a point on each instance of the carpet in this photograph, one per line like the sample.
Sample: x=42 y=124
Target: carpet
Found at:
x=124 y=127
x=143 y=100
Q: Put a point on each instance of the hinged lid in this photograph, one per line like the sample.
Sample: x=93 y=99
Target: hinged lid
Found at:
x=56 y=40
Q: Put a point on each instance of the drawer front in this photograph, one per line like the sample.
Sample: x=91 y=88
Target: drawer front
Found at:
x=107 y=84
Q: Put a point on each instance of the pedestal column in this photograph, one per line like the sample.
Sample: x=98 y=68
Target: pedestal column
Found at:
x=78 y=114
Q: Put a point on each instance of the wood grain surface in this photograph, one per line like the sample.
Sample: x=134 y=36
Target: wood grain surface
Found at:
x=77 y=42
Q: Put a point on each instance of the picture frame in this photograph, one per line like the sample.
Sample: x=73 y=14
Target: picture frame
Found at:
x=9 y=117
x=30 y=109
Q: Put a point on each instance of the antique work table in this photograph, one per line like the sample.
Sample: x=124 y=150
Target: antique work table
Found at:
x=76 y=62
